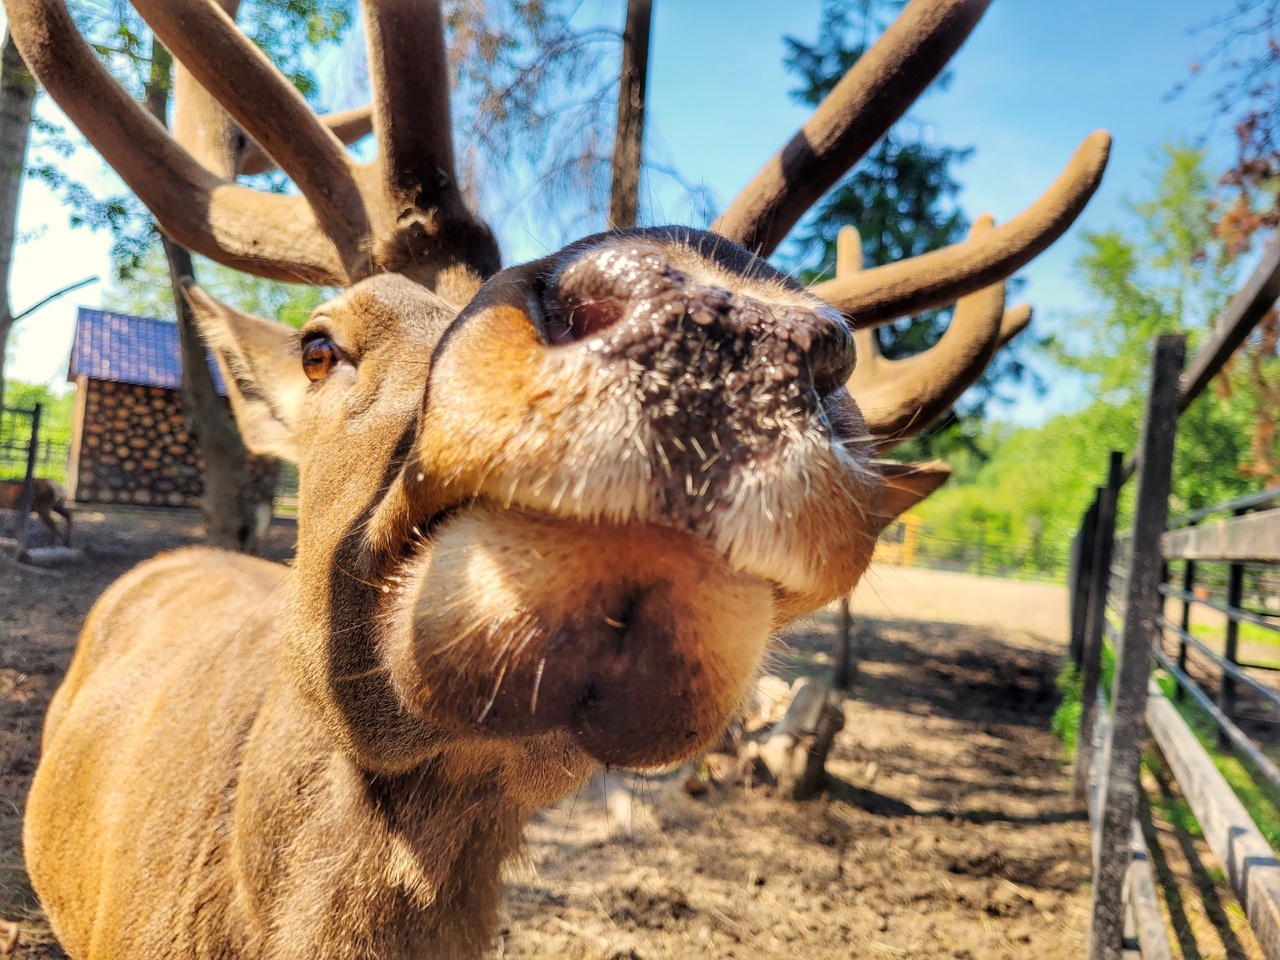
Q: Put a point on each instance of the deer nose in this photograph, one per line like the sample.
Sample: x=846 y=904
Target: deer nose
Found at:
x=630 y=297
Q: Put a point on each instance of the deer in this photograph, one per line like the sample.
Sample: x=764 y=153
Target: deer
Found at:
x=47 y=498
x=549 y=515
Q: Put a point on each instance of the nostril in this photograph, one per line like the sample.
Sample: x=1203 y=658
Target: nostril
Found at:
x=597 y=290
x=832 y=356
x=572 y=317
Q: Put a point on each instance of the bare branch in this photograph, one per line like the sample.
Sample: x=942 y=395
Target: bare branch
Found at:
x=267 y=234
x=942 y=276
x=874 y=94
x=348 y=126
x=243 y=80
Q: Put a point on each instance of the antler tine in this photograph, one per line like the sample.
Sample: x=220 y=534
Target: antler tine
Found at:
x=848 y=262
x=202 y=36
x=347 y=125
x=873 y=95
x=1015 y=321
x=937 y=278
x=267 y=234
x=899 y=398
x=408 y=70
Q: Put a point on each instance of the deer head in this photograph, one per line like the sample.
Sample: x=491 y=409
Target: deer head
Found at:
x=582 y=500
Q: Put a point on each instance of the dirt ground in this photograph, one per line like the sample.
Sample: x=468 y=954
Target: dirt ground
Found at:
x=947 y=831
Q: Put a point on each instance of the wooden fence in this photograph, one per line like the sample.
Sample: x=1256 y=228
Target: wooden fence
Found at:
x=1120 y=586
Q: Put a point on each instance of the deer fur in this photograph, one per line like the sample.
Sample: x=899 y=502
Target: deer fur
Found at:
x=47 y=499
x=498 y=587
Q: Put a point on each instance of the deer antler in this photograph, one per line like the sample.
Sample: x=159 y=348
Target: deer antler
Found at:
x=404 y=213
x=899 y=398
x=873 y=95
x=937 y=278
x=347 y=125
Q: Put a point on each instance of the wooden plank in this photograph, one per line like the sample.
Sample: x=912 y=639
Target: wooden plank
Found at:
x=1241 y=315
x=1144 y=924
x=1244 y=854
x=1119 y=783
x=1095 y=615
x=1144 y=904
x=1252 y=538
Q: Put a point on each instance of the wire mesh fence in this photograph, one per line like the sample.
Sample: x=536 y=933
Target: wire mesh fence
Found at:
x=980 y=551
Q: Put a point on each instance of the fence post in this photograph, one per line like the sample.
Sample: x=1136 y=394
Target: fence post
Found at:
x=1230 y=652
x=843 y=667
x=1188 y=591
x=1104 y=538
x=1081 y=568
x=1118 y=780
x=29 y=481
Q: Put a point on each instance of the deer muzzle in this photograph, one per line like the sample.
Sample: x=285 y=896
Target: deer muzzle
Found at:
x=638 y=460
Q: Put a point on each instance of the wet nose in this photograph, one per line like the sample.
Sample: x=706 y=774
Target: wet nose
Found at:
x=630 y=295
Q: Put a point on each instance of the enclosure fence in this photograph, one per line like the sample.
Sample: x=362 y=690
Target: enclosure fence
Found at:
x=1222 y=561
x=26 y=496
x=15 y=441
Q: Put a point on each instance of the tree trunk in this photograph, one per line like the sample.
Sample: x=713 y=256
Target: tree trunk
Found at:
x=17 y=97
x=236 y=506
x=624 y=203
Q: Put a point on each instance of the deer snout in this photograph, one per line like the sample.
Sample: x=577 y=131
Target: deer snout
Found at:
x=632 y=298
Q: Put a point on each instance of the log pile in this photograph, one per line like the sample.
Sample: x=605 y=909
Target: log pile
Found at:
x=134 y=448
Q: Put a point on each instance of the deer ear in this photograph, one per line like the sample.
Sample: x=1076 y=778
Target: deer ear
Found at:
x=262 y=368
x=905 y=485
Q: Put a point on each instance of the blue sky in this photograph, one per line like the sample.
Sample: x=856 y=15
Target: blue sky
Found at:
x=1033 y=80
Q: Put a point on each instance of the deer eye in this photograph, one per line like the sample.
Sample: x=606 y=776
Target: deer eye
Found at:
x=318 y=357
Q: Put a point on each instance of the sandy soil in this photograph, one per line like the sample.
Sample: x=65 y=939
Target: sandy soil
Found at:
x=946 y=833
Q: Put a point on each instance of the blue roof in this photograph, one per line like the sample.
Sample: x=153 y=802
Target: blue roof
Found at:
x=115 y=346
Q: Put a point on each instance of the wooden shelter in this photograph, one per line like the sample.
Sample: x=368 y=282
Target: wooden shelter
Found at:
x=130 y=442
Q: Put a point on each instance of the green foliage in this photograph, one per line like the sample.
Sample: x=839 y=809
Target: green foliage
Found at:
x=146 y=291
x=1261 y=800
x=1065 y=722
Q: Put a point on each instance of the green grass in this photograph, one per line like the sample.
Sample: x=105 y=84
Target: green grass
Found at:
x=1249 y=633
x=1066 y=719
x=1260 y=798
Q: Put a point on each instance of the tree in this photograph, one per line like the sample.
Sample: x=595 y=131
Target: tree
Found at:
x=1245 y=57
x=902 y=199
x=17 y=100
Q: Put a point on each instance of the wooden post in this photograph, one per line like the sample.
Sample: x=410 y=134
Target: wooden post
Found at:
x=1081 y=568
x=1118 y=780
x=1188 y=590
x=29 y=481
x=1231 y=646
x=1095 y=618
x=844 y=662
